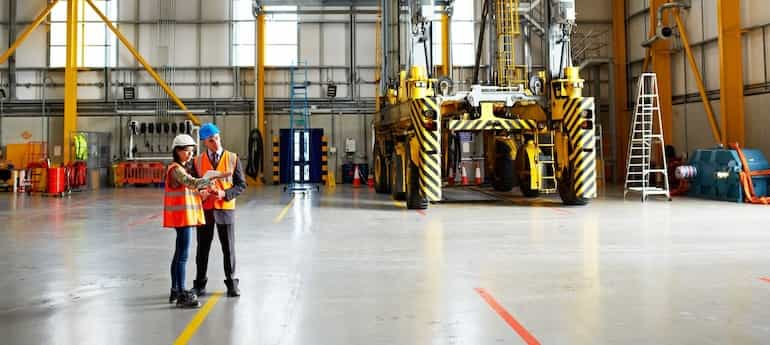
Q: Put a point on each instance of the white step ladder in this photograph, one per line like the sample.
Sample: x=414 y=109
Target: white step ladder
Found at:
x=646 y=133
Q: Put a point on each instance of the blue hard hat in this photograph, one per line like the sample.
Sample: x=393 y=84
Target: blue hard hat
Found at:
x=207 y=130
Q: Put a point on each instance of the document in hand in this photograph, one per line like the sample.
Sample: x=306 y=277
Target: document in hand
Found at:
x=212 y=174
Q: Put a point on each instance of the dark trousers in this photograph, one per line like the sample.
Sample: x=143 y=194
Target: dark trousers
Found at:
x=181 y=252
x=226 y=234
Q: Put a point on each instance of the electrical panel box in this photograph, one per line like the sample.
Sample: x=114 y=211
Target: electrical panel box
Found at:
x=350 y=145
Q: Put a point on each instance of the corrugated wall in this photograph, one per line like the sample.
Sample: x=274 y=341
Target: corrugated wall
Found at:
x=195 y=51
x=691 y=128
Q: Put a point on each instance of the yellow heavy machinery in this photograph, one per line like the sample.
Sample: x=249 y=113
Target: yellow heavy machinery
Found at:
x=539 y=138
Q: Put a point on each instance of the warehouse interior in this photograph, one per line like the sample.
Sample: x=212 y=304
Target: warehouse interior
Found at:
x=415 y=171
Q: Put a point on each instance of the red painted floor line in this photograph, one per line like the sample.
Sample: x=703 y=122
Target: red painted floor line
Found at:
x=765 y=279
x=421 y=212
x=509 y=319
x=144 y=220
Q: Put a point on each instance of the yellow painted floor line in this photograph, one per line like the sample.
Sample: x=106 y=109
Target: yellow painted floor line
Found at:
x=283 y=213
x=196 y=322
x=399 y=204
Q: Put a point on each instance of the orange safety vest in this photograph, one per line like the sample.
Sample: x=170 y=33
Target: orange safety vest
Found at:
x=226 y=164
x=181 y=205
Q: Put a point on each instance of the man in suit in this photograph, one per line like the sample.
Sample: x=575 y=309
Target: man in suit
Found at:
x=218 y=208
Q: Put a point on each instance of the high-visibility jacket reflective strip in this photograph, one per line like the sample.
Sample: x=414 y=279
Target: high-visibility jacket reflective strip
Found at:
x=181 y=206
x=226 y=164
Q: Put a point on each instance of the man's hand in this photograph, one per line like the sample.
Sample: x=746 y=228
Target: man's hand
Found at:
x=204 y=194
x=221 y=194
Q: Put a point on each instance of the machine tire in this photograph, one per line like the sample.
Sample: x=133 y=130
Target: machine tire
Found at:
x=505 y=174
x=522 y=163
x=381 y=181
x=395 y=168
x=414 y=199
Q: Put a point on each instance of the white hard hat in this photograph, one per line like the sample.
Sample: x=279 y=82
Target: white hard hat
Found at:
x=183 y=140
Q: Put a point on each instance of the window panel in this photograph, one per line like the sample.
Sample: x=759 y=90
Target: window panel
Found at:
x=245 y=33
x=59 y=12
x=463 y=10
x=462 y=32
x=58 y=33
x=463 y=55
x=281 y=33
x=278 y=55
x=58 y=56
x=245 y=55
x=90 y=14
x=99 y=50
x=242 y=10
x=95 y=34
x=94 y=56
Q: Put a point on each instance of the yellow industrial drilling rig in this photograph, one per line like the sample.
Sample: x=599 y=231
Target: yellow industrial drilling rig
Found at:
x=541 y=139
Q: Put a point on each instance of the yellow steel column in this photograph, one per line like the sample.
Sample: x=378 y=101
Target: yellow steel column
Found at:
x=71 y=78
x=35 y=23
x=144 y=63
x=622 y=115
x=261 y=80
x=446 y=67
x=731 y=71
x=661 y=65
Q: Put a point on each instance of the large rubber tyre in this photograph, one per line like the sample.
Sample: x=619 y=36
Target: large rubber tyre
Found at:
x=505 y=173
x=396 y=167
x=523 y=169
x=567 y=191
x=381 y=181
x=414 y=198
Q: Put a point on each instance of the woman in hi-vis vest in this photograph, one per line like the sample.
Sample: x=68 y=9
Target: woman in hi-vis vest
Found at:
x=182 y=210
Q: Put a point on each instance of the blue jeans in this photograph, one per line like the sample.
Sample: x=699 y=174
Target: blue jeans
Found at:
x=179 y=263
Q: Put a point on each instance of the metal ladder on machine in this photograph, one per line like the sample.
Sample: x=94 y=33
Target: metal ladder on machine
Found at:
x=544 y=143
x=299 y=119
x=646 y=132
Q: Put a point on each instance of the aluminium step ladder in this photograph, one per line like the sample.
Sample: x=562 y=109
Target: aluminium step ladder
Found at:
x=299 y=128
x=646 y=135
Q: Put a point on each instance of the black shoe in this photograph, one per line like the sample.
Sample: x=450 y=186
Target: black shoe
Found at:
x=173 y=297
x=199 y=287
x=232 y=288
x=187 y=299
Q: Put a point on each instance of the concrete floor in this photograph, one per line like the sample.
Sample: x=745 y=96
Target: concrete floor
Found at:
x=353 y=267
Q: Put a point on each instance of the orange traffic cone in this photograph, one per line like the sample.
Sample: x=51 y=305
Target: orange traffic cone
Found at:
x=464 y=177
x=356 y=178
x=451 y=179
x=370 y=181
x=478 y=174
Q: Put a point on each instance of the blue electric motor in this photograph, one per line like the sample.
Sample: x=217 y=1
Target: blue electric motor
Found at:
x=718 y=174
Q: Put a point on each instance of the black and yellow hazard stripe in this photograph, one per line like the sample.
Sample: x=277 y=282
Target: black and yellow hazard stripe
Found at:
x=582 y=154
x=500 y=124
x=324 y=159
x=430 y=148
x=276 y=161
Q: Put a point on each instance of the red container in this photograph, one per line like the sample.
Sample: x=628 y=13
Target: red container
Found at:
x=56 y=180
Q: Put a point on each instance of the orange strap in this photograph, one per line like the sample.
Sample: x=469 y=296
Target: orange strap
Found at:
x=748 y=187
